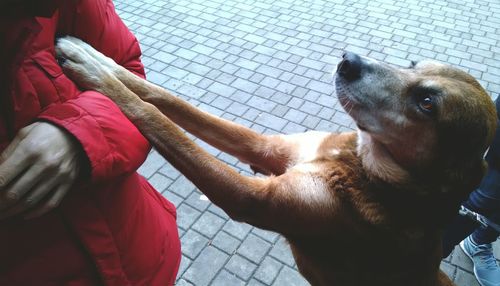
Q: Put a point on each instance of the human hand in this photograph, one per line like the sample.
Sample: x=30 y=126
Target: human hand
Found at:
x=37 y=170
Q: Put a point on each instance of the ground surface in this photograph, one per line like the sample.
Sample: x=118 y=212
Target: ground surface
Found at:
x=267 y=65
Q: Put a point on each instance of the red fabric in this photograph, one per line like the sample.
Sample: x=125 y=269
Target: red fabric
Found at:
x=114 y=229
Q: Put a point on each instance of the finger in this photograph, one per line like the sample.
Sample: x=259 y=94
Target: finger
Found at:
x=32 y=199
x=13 y=145
x=13 y=159
x=13 y=166
x=53 y=202
x=23 y=184
x=10 y=149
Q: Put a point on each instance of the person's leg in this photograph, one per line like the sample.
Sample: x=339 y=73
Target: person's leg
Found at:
x=486 y=201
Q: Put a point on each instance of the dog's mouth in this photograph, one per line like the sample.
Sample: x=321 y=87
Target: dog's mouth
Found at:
x=346 y=95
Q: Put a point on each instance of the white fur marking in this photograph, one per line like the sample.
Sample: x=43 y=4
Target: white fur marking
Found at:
x=307 y=143
x=377 y=161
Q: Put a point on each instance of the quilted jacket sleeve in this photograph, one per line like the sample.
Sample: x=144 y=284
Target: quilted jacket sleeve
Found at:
x=111 y=142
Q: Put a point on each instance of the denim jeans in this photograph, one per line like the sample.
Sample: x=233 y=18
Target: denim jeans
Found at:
x=485 y=200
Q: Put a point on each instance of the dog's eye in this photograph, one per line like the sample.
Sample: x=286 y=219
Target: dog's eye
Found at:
x=426 y=104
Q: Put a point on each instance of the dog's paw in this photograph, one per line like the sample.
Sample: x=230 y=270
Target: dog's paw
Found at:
x=83 y=64
x=105 y=61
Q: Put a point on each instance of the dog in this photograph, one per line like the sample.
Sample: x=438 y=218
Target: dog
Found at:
x=357 y=208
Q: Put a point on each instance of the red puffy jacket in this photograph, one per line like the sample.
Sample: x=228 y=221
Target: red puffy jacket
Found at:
x=114 y=229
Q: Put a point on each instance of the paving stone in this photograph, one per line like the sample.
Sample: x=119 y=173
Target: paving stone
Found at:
x=241 y=267
x=198 y=273
x=186 y=216
x=182 y=282
x=281 y=251
x=268 y=270
x=280 y=111
x=218 y=211
x=271 y=121
x=224 y=278
x=182 y=187
x=460 y=259
x=208 y=224
x=152 y=164
x=197 y=201
x=267 y=65
x=289 y=277
x=226 y=242
x=193 y=243
x=254 y=282
x=185 y=262
x=168 y=170
x=254 y=248
x=465 y=278
x=237 y=229
x=173 y=198
x=267 y=235
x=261 y=103
x=448 y=269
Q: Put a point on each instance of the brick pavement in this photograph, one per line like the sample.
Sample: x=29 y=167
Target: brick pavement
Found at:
x=267 y=65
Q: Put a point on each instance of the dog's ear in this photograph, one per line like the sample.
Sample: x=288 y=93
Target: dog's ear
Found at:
x=461 y=156
x=463 y=180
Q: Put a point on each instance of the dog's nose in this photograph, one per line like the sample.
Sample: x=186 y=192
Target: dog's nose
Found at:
x=350 y=66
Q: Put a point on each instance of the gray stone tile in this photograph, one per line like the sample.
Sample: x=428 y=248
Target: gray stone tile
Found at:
x=182 y=187
x=254 y=282
x=197 y=201
x=208 y=224
x=226 y=242
x=198 y=273
x=254 y=248
x=271 y=121
x=168 y=170
x=182 y=282
x=185 y=262
x=160 y=182
x=237 y=229
x=448 y=269
x=193 y=243
x=465 y=278
x=281 y=251
x=460 y=259
x=268 y=270
x=152 y=164
x=289 y=277
x=186 y=216
x=241 y=267
x=224 y=278
x=271 y=70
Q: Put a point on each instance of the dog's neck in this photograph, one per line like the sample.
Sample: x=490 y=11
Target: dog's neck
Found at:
x=377 y=161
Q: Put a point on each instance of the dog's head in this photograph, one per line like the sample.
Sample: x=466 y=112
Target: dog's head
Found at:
x=429 y=123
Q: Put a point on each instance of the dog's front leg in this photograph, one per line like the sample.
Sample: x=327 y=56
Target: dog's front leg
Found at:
x=292 y=203
x=267 y=154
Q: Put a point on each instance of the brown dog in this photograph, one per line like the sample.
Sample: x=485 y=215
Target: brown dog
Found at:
x=365 y=208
